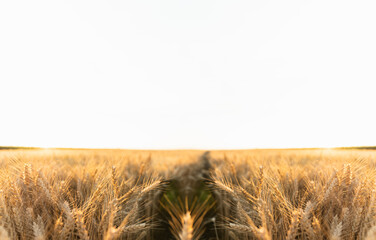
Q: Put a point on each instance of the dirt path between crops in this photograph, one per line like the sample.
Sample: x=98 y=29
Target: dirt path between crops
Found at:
x=188 y=190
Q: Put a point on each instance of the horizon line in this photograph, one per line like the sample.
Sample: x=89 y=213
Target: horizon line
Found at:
x=182 y=149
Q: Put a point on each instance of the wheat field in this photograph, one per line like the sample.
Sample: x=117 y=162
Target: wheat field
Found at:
x=187 y=194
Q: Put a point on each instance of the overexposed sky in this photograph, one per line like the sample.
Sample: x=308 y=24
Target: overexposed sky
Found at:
x=188 y=74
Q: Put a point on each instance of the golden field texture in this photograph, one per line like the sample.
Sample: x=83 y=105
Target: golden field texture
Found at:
x=250 y=194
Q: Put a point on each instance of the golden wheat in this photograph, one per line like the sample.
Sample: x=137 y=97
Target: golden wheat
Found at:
x=187 y=195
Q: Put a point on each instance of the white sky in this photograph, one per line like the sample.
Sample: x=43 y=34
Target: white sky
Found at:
x=187 y=74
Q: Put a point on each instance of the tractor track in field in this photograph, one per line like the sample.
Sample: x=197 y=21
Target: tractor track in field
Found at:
x=188 y=189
